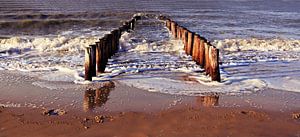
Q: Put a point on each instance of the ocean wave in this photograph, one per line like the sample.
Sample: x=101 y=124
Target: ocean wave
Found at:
x=78 y=15
x=45 y=44
x=234 y=45
x=237 y=51
x=42 y=24
x=53 y=26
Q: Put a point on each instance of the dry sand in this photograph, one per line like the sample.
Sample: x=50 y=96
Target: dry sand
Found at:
x=127 y=111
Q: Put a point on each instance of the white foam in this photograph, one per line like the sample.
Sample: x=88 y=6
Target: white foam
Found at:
x=256 y=50
x=61 y=74
x=46 y=44
x=235 y=45
x=50 y=58
x=179 y=87
x=54 y=86
x=283 y=75
x=288 y=83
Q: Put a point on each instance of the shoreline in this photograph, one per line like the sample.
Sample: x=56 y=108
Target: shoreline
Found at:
x=19 y=90
x=264 y=113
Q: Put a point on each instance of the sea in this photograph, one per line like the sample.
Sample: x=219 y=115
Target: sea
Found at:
x=259 y=42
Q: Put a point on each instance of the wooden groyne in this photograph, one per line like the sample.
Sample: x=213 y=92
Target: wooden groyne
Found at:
x=202 y=51
x=198 y=47
x=97 y=55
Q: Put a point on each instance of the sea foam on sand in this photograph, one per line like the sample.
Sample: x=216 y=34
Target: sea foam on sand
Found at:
x=192 y=88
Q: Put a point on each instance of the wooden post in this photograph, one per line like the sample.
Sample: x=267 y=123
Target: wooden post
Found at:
x=126 y=26
x=214 y=64
x=93 y=58
x=114 y=40
x=201 y=56
x=185 y=39
x=118 y=35
x=113 y=43
x=137 y=17
x=109 y=44
x=98 y=57
x=122 y=29
x=132 y=24
x=182 y=33
x=179 y=31
x=195 y=54
x=207 y=63
x=174 y=29
x=190 y=42
x=88 y=64
x=105 y=54
x=120 y=32
x=168 y=24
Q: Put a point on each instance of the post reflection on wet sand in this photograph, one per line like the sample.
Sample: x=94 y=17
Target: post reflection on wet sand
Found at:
x=208 y=101
x=95 y=97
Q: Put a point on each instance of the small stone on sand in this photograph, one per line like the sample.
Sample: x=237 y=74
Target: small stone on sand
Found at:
x=50 y=112
x=296 y=116
x=99 y=119
x=85 y=119
x=61 y=112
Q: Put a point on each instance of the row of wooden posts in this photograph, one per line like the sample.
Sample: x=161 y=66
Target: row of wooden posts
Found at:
x=97 y=55
x=201 y=50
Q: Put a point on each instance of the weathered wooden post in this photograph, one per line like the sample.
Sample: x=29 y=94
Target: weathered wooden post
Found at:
x=113 y=41
x=195 y=54
x=120 y=32
x=168 y=24
x=93 y=57
x=117 y=38
x=88 y=64
x=132 y=24
x=109 y=44
x=122 y=29
x=126 y=26
x=201 y=56
x=185 y=39
x=98 y=56
x=100 y=60
x=190 y=42
x=214 y=64
x=105 y=56
x=137 y=17
x=182 y=33
x=178 y=31
x=207 y=63
x=174 y=28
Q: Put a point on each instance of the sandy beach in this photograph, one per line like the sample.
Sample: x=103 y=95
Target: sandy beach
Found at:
x=128 y=111
x=149 y=68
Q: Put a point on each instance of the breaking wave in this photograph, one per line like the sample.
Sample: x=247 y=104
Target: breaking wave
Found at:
x=44 y=24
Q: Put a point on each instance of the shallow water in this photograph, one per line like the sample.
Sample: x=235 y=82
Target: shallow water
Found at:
x=46 y=39
x=17 y=92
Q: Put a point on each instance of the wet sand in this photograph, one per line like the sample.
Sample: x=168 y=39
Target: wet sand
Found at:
x=127 y=111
